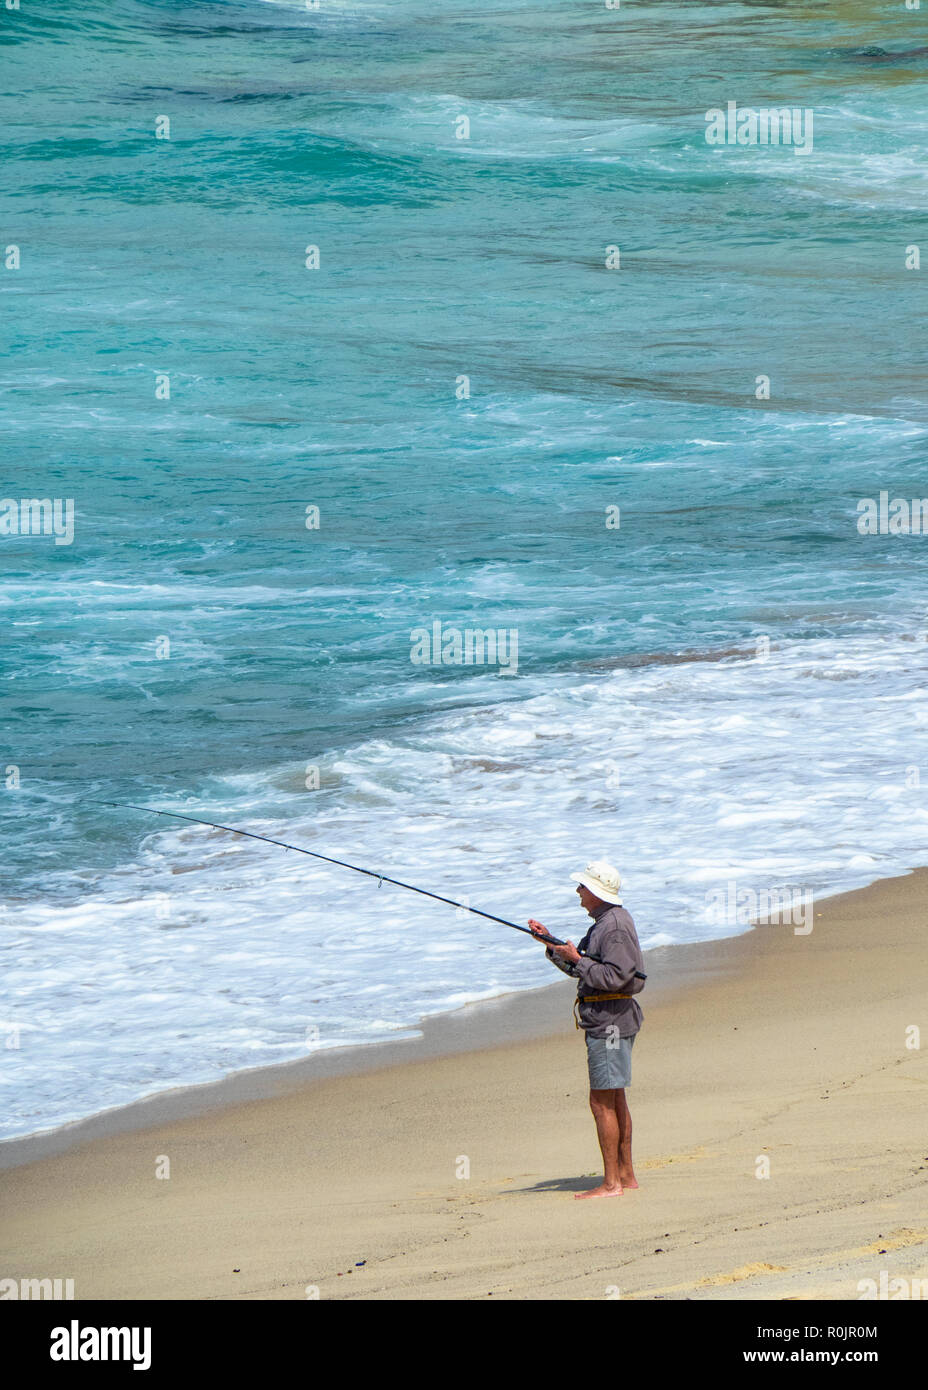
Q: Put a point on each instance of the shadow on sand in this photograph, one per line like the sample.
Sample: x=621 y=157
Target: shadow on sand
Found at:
x=565 y=1184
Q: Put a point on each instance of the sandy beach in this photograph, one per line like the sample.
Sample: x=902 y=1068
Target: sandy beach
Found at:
x=340 y=1174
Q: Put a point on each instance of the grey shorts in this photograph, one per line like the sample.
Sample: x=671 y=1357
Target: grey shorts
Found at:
x=610 y=1062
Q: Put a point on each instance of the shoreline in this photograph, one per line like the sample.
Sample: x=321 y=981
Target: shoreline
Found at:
x=763 y=1049
x=510 y=1017
x=515 y=1017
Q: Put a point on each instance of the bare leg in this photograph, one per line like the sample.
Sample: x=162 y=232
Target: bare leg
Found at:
x=603 y=1106
x=624 y=1116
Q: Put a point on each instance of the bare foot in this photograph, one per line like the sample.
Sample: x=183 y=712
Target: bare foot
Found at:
x=629 y=1182
x=602 y=1191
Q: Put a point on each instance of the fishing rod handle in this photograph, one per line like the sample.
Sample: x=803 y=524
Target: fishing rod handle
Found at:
x=556 y=941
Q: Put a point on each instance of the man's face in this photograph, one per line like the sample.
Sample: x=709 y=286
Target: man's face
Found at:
x=587 y=899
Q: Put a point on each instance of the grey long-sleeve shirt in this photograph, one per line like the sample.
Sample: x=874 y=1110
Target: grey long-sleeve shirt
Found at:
x=613 y=938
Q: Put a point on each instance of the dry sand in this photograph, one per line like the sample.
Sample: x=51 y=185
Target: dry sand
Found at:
x=770 y=1044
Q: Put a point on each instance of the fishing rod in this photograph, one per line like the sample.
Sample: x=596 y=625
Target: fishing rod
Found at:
x=371 y=873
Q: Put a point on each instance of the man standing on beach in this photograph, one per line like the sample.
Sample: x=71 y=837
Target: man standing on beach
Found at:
x=608 y=1014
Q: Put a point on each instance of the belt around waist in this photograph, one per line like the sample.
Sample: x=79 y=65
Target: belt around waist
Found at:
x=592 y=998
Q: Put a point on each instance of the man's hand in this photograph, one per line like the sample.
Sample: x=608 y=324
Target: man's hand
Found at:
x=538 y=930
x=568 y=953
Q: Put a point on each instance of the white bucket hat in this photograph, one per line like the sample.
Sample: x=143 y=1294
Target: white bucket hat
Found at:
x=601 y=879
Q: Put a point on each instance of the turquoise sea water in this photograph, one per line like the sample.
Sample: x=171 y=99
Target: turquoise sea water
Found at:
x=641 y=725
